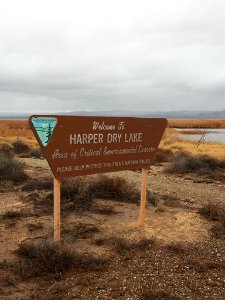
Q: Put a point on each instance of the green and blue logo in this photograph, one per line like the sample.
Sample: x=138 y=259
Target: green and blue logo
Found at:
x=44 y=127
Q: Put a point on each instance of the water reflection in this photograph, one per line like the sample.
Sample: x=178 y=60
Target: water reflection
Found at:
x=211 y=135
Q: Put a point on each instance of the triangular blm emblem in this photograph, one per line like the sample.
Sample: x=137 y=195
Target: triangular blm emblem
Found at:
x=44 y=127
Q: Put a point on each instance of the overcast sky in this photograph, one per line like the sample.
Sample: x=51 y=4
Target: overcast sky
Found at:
x=108 y=54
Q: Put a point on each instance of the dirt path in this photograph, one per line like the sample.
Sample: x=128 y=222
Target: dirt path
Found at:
x=173 y=221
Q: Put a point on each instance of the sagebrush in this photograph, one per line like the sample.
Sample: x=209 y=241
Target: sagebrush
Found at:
x=12 y=170
x=45 y=257
x=183 y=162
x=20 y=147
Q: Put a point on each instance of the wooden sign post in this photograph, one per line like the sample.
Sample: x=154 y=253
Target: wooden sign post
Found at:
x=57 y=209
x=143 y=197
x=78 y=146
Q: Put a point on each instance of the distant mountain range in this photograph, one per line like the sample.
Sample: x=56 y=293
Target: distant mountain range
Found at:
x=169 y=114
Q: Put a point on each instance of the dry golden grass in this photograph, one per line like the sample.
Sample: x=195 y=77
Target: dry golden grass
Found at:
x=173 y=141
x=197 y=123
x=191 y=131
x=211 y=149
x=11 y=130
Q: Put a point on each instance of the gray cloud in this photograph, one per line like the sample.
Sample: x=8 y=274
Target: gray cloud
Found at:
x=153 y=57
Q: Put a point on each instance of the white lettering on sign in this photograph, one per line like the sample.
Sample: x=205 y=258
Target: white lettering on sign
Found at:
x=86 y=138
x=90 y=152
x=73 y=154
x=113 y=164
x=114 y=137
x=108 y=151
x=121 y=126
x=102 y=126
x=93 y=166
x=131 y=162
x=145 y=150
x=65 y=169
x=133 y=137
x=78 y=168
x=59 y=155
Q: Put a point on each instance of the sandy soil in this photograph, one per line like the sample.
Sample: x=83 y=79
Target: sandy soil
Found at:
x=153 y=273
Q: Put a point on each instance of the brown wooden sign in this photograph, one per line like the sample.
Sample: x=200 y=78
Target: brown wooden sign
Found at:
x=77 y=145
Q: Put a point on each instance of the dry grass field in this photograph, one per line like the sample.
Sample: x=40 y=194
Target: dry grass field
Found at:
x=11 y=130
x=191 y=131
x=178 y=255
x=176 y=143
x=197 y=123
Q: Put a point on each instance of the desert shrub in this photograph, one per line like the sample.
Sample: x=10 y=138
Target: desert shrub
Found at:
x=158 y=295
x=217 y=231
x=163 y=155
x=203 y=265
x=13 y=170
x=34 y=226
x=6 y=150
x=76 y=187
x=12 y=215
x=99 y=241
x=213 y=211
x=20 y=147
x=217 y=174
x=176 y=248
x=42 y=258
x=104 y=210
x=116 y=188
x=128 y=249
x=37 y=153
x=210 y=211
x=152 y=198
x=86 y=189
x=77 y=194
x=122 y=246
x=8 y=281
x=6 y=185
x=80 y=231
x=44 y=184
x=42 y=202
x=183 y=162
x=89 y=262
x=101 y=186
x=24 y=155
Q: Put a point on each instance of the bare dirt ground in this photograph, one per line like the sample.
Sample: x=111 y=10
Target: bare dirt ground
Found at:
x=176 y=258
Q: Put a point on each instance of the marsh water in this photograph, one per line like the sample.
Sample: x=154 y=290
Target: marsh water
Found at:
x=210 y=135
